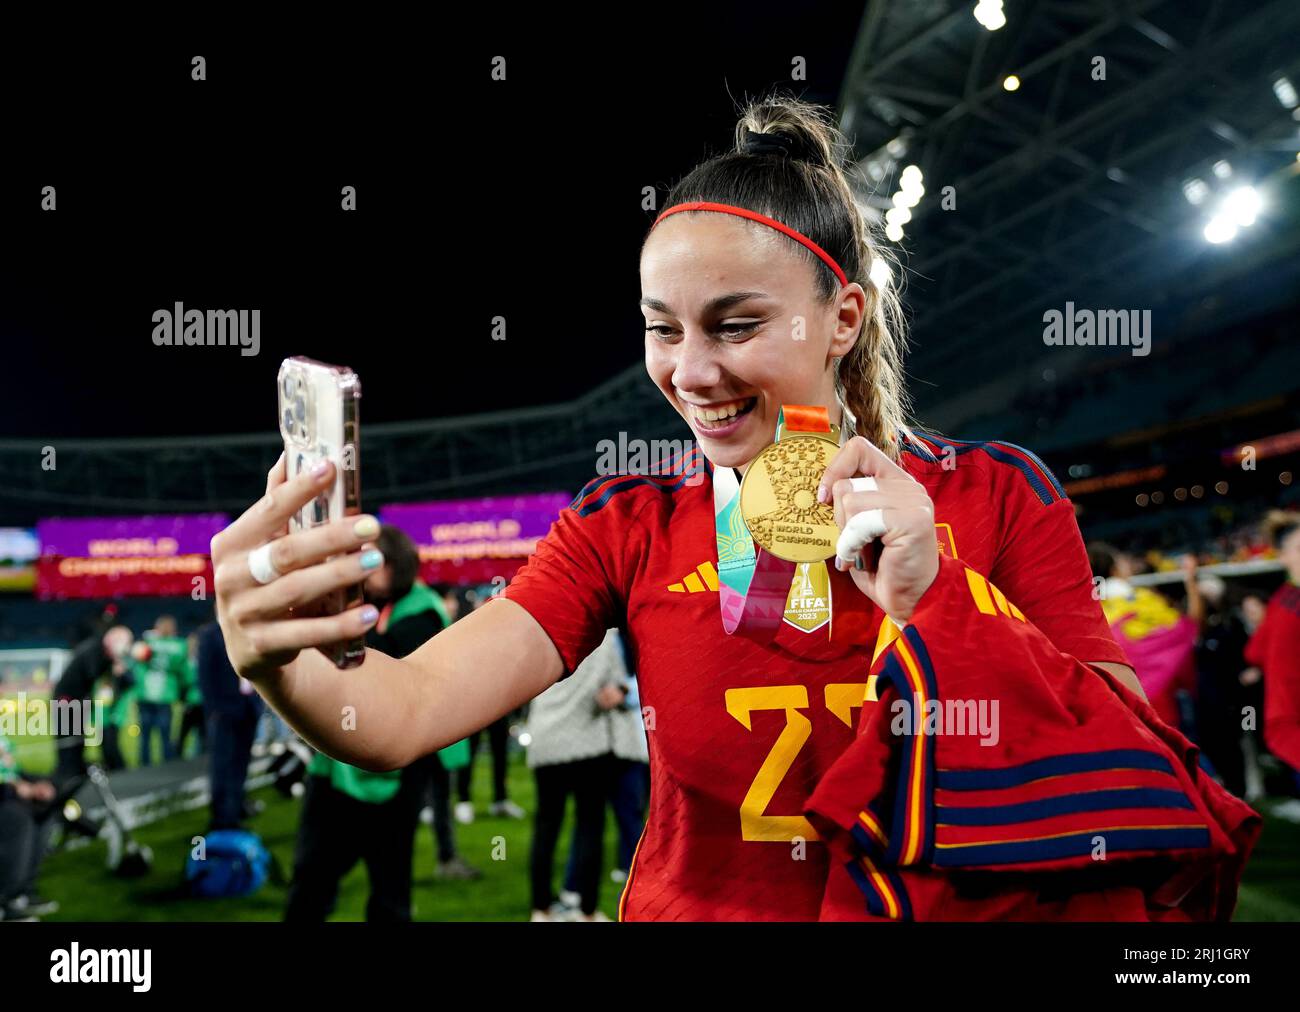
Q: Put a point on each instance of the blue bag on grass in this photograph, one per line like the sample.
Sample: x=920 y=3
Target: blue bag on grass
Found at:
x=236 y=864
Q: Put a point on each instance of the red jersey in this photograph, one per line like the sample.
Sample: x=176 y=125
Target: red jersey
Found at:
x=740 y=732
x=1000 y=779
x=1275 y=649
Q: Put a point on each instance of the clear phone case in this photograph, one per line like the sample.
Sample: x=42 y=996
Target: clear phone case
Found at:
x=319 y=417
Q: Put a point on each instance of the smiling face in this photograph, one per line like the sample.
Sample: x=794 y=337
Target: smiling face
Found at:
x=723 y=299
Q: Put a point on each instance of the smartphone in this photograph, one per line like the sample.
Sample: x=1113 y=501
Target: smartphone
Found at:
x=320 y=420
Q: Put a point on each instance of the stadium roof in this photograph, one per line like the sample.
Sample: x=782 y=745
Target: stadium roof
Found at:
x=1071 y=187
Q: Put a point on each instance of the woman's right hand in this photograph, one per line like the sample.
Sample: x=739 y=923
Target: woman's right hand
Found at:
x=262 y=635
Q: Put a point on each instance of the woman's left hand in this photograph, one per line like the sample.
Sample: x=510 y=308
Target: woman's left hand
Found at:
x=876 y=500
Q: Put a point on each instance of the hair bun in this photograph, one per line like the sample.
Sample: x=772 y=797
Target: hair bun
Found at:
x=774 y=143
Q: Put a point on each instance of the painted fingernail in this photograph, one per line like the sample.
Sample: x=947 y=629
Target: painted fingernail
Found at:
x=318 y=472
x=366 y=527
x=369 y=614
x=861 y=563
x=821 y=494
x=371 y=559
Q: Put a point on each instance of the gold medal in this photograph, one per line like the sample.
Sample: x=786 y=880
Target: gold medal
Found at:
x=778 y=499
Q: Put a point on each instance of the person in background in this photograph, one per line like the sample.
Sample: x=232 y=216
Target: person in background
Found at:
x=631 y=795
x=26 y=821
x=582 y=737
x=1253 y=609
x=1220 y=643
x=101 y=656
x=1275 y=650
x=450 y=864
x=1158 y=638
x=498 y=733
x=191 y=697
x=1254 y=606
x=272 y=733
x=628 y=799
x=231 y=709
x=158 y=679
x=118 y=695
x=350 y=814
x=98 y=623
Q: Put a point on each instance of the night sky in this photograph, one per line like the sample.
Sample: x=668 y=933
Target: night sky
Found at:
x=475 y=199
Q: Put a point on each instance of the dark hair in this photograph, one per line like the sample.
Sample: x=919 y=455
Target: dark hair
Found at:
x=402 y=557
x=1102 y=557
x=808 y=189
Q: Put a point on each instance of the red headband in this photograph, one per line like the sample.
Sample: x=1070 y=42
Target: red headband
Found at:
x=740 y=212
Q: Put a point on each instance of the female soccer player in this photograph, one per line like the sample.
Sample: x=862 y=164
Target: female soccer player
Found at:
x=760 y=300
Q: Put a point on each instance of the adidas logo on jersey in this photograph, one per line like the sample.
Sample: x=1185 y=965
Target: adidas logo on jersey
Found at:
x=701 y=579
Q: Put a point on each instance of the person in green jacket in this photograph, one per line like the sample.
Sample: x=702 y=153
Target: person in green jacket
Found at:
x=158 y=681
x=350 y=814
x=191 y=697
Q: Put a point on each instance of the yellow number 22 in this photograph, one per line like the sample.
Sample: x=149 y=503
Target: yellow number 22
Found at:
x=840 y=699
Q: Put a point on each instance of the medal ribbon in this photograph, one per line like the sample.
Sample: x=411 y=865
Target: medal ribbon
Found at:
x=753 y=585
